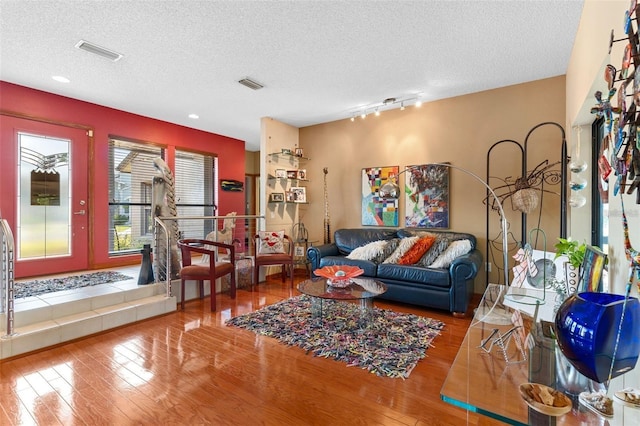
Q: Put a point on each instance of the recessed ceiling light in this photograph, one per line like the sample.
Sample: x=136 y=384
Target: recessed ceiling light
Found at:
x=61 y=79
x=194 y=116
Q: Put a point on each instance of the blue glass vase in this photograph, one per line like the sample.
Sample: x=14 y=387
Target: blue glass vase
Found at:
x=587 y=326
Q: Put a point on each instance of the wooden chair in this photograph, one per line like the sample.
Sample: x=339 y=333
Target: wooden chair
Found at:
x=206 y=272
x=284 y=259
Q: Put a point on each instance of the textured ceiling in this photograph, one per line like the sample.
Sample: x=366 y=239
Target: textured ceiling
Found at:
x=318 y=60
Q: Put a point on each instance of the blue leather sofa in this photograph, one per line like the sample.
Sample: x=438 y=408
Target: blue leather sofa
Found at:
x=449 y=289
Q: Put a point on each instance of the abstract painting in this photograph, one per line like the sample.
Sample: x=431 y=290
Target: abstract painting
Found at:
x=592 y=267
x=378 y=211
x=427 y=196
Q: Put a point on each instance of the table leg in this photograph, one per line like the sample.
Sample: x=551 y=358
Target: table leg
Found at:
x=366 y=309
x=316 y=307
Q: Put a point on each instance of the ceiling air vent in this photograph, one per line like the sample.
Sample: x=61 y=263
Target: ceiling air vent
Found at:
x=100 y=51
x=251 y=84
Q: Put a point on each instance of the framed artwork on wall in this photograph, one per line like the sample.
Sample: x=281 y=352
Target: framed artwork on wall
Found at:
x=299 y=194
x=281 y=173
x=378 y=211
x=427 y=196
x=276 y=197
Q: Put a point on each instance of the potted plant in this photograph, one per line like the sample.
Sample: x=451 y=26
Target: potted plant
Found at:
x=572 y=249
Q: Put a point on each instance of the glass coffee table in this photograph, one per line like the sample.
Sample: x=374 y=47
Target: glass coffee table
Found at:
x=362 y=290
x=485 y=377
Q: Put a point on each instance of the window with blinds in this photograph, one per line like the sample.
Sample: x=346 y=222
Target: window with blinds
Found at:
x=131 y=174
x=196 y=195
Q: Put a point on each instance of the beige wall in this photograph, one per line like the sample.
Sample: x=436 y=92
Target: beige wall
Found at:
x=275 y=136
x=252 y=163
x=585 y=76
x=458 y=130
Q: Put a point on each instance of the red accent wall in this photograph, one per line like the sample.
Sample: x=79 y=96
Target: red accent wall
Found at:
x=107 y=121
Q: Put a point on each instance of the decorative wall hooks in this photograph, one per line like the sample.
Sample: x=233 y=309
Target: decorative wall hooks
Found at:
x=620 y=152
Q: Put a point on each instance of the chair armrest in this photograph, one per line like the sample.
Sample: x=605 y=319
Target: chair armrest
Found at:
x=201 y=246
x=315 y=253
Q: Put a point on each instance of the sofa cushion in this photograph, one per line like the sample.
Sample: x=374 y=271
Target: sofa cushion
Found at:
x=415 y=274
x=391 y=246
x=452 y=236
x=415 y=253
x=455 y=249
x=370 y=269
x=403 y=247
x=348 y=239
x=369 y=251
x=439 y=246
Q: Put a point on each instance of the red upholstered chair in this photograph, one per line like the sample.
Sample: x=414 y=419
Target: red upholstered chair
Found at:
x=264 y=258
x=207 y=271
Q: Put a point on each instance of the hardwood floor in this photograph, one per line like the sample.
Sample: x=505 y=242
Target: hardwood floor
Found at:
x=189 y=368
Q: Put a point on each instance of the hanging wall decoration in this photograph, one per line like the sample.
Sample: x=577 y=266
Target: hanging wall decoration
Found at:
x=378 y=211
x=427 y=196
x=231 y=185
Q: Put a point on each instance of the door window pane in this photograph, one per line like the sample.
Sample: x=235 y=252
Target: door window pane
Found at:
x=44 y=205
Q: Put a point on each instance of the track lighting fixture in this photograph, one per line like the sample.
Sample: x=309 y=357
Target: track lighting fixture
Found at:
x=387 y=104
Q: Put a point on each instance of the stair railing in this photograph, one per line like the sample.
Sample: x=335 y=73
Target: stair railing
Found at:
x=7 y=295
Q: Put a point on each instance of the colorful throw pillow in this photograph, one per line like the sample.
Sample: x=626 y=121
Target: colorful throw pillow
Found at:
x=368 y=251
x=271 y=242
x=388 y=249
x=455 y=249
x=439 y=246
x=403 y=247
x=416 y=251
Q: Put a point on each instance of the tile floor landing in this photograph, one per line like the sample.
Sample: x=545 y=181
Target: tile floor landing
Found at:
x=53 y=318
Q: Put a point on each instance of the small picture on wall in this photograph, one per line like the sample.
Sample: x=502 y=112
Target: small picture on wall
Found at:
x=281 y=173
x=276 y=197
x=300 y=194
x=291 y=196
x=298 y=251
x=302 y=174
x=292 y=174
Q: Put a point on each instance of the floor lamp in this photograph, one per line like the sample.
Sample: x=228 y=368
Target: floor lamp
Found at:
x=390 y=189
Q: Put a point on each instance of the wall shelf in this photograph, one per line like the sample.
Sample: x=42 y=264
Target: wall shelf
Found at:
x=288 y=156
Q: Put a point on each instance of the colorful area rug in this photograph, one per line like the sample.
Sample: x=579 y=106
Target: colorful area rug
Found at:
x=390 y=345
x=38 y=287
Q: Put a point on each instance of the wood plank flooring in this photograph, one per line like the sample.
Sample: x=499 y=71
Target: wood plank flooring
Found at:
x=188 y=368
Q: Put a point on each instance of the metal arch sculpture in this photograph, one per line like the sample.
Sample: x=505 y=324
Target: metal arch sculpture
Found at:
x=164 y=205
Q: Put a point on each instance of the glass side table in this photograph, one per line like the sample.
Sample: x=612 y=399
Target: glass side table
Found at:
x=485 y=376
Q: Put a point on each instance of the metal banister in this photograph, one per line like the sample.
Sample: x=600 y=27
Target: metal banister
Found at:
x=7 y=296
